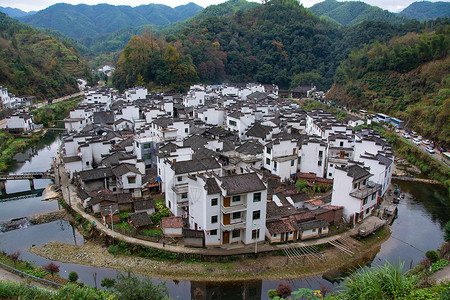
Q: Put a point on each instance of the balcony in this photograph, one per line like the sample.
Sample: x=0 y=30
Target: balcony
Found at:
x=180 y=188
x=234 y=224
x=366 y=190
x=182 y=203
x=233 y=208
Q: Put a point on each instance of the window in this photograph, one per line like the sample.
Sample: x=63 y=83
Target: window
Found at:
x=236 y=198
x=320 y=153
x=256 y=197
x=267 y=161
x=268 y=150
x=184 y=196
x=232 y=123
x=87 y=163
x=331 y=165
x=329 y=174
x=170 y=204
x=186 y=130
x=355 y=186
x=213 y=232
x=214 y=201
x=373 y=196
x=236 y=233
x=131 y=179
x=314 y=230
x=319 y=163
x=147 y=146
x=213 y=219
x=255 y=234
x=367 y=211
x=179 y=178
x=274 y=164
x=256 y=215
x=365 y=200
x=236 y=215
x=341 y=144
x=292 y=163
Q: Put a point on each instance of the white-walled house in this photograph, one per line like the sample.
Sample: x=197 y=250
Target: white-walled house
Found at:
x=230 y=209
x=353 y=190
x=175 y=174
x=22 y=122
x=239 y=122
x=128 y=179
x=281 y=158
x=211 y=115
x=136 y=93
x=313 y=156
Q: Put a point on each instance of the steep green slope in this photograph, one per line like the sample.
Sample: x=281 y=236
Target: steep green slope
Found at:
x=280 y=42
x=354 y=12
x=36 y=64
x=409 y=78
x=425 y=10
x=227 y=8
x=83 y=20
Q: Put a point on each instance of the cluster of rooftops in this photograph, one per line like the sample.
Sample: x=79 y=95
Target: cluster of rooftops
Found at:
x=219 y=142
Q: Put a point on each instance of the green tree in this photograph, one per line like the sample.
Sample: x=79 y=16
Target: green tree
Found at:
x=130 y=287
x=73 y=276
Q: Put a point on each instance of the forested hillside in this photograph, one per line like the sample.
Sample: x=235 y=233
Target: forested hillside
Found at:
x=408 y=77
x=15 y=12
x=353 y=12
x=426 y=10
x=280 y=42
x=80 y=21
x=36 y=64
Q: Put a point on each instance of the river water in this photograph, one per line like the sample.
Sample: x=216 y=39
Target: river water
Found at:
x=418 y=228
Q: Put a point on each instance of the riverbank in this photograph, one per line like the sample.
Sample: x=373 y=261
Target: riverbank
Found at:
x=11 y=144
x=229 y=269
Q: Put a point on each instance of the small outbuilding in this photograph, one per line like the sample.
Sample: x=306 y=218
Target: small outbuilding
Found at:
x=172 y=226
x=140 y=220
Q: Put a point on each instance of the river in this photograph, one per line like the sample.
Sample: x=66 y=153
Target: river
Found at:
x=418 y=228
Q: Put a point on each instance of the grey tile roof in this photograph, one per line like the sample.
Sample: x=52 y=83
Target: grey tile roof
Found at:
x=195 y=142
x=115 y=158
x=259 y=131
x=212 y=187
x=104 y=117
x=250 y=147
x=242 y=183
x=144 y=204
x=140 y=219
x=317 y=223
x=70 y=159
x=95 y=174
x=125 y=168
x=356 y=172
x=193 y=166
x=163 y=122
x=299 y=197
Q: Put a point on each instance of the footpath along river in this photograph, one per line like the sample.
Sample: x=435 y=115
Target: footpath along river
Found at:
x=418 y=228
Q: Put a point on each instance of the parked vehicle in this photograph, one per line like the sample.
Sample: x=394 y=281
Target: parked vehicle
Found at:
x=406 y=135
x=396 y=130
x=441 y=149
x=416 y=141
x=426 y=142
x=419 y=137
x=430 y=150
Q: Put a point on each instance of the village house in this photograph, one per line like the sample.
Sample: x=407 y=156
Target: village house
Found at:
x=22 y=122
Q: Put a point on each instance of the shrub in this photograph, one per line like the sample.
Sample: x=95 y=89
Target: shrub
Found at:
x=14 y=257
x=52 y=268
x=114 y=249
x=379 y=282
x=272 y=293
x=73 y=276
x=130 y=287
x=447 y=231
x=36 y=273
x=284 y=290
x=432 y=255
x=108 y=282
x=439 y=265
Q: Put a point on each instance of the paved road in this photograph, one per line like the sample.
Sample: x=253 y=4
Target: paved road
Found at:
x=442 y=275
x=8 y=276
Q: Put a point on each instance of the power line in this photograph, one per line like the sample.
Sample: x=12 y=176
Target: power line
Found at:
x=407 y=244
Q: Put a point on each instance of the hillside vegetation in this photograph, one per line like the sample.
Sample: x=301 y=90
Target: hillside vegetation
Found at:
x=408 y=77
x=426 y=10
x=279 y=42
x=33 y=63
x=350 y=13
x=80 y=21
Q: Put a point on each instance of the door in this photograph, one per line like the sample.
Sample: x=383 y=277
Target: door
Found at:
x=226 y=202
x=282 y=237
x=226 y=237
x=226 y=219
x=342 y=154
